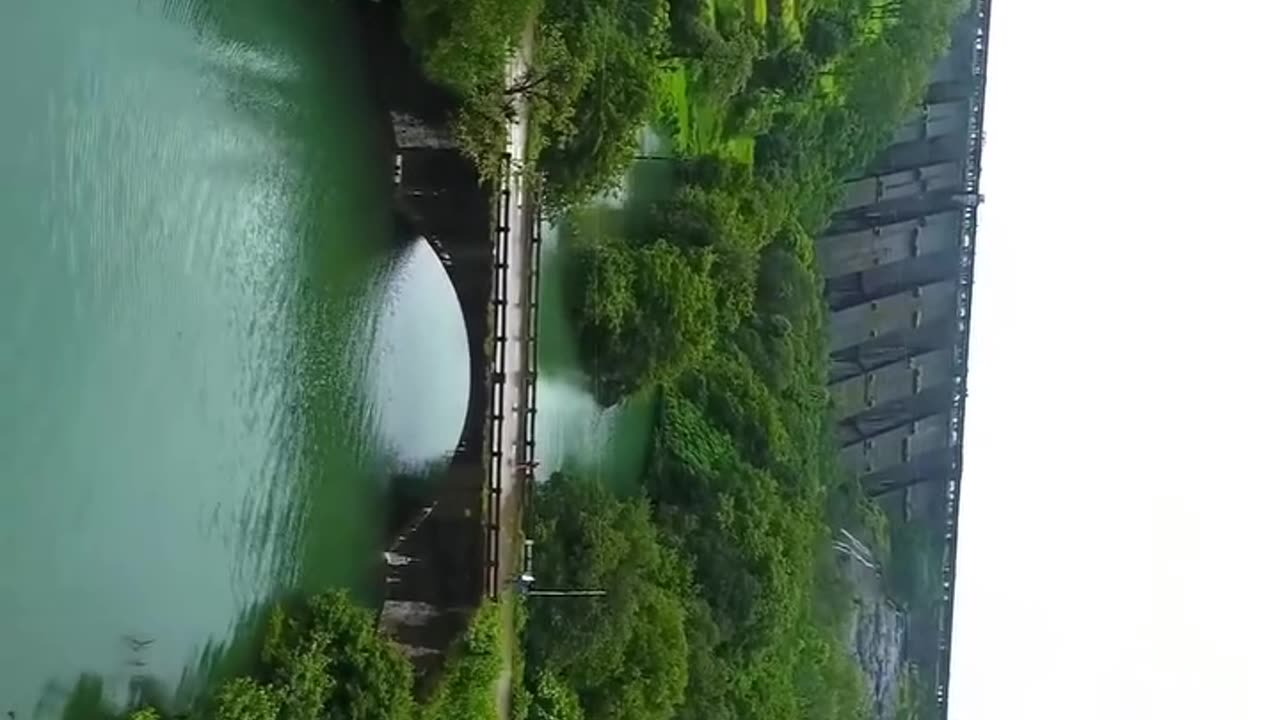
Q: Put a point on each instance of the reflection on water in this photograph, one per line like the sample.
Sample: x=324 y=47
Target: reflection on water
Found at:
x=576 y=434
x=414 y=322
x=574 y=431
x=92 y=696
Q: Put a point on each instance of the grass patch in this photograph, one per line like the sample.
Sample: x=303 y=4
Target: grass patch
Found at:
x=742 y=149
x=710 y=11
x=673 y=105
x=701 y=128
x=693 y=116
x=467 y=687
x=705 y=123
x=695 y=125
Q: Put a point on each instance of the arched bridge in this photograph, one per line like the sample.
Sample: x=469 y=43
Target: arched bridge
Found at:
x=452 y=538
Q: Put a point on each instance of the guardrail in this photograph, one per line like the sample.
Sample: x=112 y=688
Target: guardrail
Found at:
x=526 y=402
x=533 y=289
x=497 y=377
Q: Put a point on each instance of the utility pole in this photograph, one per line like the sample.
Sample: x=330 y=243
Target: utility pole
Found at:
x=524 y=583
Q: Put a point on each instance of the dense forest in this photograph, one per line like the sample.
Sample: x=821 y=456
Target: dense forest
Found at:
x=721 y=602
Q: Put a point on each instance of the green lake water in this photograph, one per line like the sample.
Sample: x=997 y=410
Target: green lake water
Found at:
x=211 y=354
x=575 y=432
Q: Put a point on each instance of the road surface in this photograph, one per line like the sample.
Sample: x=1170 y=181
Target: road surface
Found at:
x=516 y=348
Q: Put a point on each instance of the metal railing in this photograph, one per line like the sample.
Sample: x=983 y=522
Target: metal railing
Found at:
x=526 y=402
x=497 y=378
x=533 y=293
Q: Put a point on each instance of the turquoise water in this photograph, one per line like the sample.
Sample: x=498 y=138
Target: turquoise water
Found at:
x=575 y=431
x=210 y=353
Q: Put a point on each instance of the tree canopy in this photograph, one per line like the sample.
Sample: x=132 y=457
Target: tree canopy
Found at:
x=325 y=658
x=714 y=301
x=624 y=656
x=720 y=604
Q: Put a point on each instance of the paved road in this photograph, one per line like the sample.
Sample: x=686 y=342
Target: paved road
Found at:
x=516 y=348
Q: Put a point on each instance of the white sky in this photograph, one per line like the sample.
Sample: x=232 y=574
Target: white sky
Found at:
x=1119 y=514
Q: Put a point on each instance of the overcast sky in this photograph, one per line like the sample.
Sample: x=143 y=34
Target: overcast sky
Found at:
x=1120 y=523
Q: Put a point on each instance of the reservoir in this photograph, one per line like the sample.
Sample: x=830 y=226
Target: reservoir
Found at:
x=212 y=353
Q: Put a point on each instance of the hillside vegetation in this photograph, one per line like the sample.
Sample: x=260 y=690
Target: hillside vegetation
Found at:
x=325 y=658
x=722 y=602
x=710 y=296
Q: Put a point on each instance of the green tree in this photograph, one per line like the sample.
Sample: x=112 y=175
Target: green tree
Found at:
x=553 y=699
x=651 y=311
x=244 y=699
x=467 y=687
x=725 y=65
x=465 y=45
x=791 y=69
x=328 y=657
x=691 y=30
x=590 y=155
x=827 y=35
x=752 y=113
x=324 y=658
x=625 y=655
